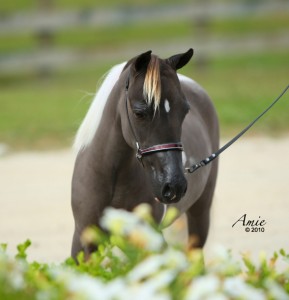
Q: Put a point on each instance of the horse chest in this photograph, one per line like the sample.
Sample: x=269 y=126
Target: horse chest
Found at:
x=129 y=191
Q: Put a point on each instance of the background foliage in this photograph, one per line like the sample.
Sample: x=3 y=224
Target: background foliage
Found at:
x=134 y=262
x=52 y=55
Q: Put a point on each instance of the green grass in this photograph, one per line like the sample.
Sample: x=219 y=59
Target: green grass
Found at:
x=40 y=114
x=9 y=7
x=243 y=86
x=250 y=25
x=46 y=113
x=100 y=37
x=103 y=37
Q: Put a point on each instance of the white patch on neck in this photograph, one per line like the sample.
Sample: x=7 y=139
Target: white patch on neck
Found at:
x=167 y=106
x=192 y=161
x=184 y=158
x=89 y=125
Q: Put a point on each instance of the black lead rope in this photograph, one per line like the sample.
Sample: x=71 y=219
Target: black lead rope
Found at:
x=210 y=158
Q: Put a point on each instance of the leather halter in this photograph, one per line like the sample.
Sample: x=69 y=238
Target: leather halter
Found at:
x=153 y=149
x=178 y=146
x=157 y=148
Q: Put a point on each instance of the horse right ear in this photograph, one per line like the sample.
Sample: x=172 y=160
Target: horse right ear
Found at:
x=180 y=60
x=142 y=61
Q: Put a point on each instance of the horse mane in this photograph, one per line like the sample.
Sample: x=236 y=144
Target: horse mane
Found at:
x=92 y=119
x=152 y=83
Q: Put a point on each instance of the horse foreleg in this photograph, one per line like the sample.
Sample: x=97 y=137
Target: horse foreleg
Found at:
x=76 y=245
x=198 y=215
x=198 y=227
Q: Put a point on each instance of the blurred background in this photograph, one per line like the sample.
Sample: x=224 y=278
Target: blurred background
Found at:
x=52 y=54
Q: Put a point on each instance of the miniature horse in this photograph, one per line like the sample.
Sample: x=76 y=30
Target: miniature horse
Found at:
x=145 y=125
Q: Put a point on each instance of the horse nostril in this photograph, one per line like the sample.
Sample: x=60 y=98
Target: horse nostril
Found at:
x=168 y=192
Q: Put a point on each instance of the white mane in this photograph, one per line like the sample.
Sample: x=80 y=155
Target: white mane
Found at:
x=92 y=119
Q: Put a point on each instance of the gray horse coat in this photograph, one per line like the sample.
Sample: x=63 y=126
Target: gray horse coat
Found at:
x=159 y=106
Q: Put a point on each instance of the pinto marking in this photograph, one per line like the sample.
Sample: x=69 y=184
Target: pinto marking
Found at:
x=92 y=119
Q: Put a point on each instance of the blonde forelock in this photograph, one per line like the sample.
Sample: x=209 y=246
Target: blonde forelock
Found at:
x=152 y=83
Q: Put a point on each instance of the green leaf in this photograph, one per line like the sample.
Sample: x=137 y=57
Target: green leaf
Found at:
x=70 y=262
x=3 y=247
x=248 y=263
x=22 y=250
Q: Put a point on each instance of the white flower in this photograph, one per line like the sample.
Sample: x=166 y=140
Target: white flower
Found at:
x=175 y=259
x=275 y=290
x=145 y=236
x=89 y=288
x=143 y=211
x=160 y=280
x=15 y=275
x=237 y=288
x=146 y=268
x=116 y=252
x=204 y=287
x=45 y=295
x=121 y=222
x=140 y=292
x=82 y=286
x=221 y=253
x=116 y=289
x=170 y=259
x=152 y=287
x=223 y=262
x=217 y=296
x=118 y=221
x=16 y=280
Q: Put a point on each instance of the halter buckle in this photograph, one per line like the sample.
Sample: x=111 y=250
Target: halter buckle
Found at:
x=138 y=152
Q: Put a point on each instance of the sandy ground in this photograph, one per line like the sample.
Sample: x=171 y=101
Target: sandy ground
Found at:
x=253 y=180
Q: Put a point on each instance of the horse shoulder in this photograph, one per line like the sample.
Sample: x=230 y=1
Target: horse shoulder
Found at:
x=199 y=101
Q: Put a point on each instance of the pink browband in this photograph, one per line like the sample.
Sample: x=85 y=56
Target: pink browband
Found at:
x=162 y=147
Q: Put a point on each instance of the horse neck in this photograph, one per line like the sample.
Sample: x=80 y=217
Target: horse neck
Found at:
x=108 y=143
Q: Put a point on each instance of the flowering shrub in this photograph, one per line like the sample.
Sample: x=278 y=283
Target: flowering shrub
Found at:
x=134 y=262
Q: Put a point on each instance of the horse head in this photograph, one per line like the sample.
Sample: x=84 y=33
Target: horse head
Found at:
x=155 y=111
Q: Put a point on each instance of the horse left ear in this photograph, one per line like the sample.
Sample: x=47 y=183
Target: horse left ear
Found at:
x=179 y=60
x=142 y=61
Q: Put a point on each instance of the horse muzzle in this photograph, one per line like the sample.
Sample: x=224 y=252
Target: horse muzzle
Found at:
x=172 y=192
x=166 y=171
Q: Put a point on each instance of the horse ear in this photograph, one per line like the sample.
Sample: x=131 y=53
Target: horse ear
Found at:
x=142 y=61
x=179 y=60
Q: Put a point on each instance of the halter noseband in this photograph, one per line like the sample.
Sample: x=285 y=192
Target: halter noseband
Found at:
x=157 y=148
x=153 y=149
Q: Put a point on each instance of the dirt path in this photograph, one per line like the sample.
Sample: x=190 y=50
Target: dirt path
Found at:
x=253 y=180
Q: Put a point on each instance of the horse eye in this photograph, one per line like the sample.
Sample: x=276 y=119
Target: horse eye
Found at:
x=139 y=114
